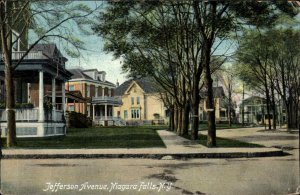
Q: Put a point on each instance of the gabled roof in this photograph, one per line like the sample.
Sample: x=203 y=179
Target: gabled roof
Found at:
x=78 y=74
x=254 y=100
x=146 y=84
x=218 y=92
x=48 y=50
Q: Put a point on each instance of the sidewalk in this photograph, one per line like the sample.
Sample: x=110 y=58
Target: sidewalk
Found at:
x=176 y=147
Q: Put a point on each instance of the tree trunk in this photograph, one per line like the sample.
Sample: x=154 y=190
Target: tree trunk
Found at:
x=179 y=121
x=273 y=107
x=10 y=105
x=175 y=118
x=243 y=110
x=196 y=102
x=185 y=119
x=171 y=119
x=292 y=115
x=229 y=106
x=211 y=120
x=268 y=104
x=195 y=124
x=10 y=98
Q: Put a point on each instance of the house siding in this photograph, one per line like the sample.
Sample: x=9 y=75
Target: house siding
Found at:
x=148 y=106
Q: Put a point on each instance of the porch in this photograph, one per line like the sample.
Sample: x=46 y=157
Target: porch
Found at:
x=36 y=74
x=103 y=111
x=28 y=125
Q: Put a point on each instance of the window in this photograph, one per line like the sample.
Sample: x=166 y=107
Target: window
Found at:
x=88 y=90
x=135 y=114
x=72 y=108
x=138 y=100
x=132 y=100
x=125 y=114
x=71 y=88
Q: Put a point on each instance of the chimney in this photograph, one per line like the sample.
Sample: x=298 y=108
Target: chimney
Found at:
x=118 y=83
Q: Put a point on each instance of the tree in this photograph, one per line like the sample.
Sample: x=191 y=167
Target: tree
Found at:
x=286 y=69
x=158 y=39
x=215 y=20
x=174 y=41
x=271 y=65
x=35 y=21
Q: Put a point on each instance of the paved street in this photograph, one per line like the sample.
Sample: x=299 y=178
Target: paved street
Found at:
x=269 y=175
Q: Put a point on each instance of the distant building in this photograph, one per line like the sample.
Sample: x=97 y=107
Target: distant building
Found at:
x=98 y=94
x=221 y=106
x=255 y=111
x=141 y=102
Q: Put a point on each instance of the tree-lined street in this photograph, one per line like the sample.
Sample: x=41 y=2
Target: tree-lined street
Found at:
x=267 y=175
x=211 y=104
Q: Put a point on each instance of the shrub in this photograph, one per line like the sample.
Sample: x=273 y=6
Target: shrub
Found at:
x=79 y=120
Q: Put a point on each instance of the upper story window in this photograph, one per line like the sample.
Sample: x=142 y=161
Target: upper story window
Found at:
x=132 y=100
x=88 y=90
x=71 y=88
x=138 y=100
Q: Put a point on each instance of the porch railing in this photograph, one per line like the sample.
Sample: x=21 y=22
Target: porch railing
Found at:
x=223 y=118
x=31 y=115
x=21 y=115
x=59 y=115
x=99 y=120
x=33 y=55
x=109 y=118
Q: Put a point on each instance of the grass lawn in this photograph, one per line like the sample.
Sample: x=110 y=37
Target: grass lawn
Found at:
x=228 y=143
x=101 y=137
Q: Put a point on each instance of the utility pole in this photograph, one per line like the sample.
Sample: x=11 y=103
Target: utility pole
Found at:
x=243 y=113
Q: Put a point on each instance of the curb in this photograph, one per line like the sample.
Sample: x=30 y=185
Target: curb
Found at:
x=148 y=156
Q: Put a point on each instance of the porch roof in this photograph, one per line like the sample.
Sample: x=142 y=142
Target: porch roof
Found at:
x=102 y=100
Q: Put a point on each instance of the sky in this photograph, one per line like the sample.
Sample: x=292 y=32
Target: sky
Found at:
x=92 y=58
x=95 y=57
x=99 y=59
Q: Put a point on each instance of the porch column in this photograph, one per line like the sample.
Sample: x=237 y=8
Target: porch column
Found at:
x=93 y=112
x=41 y=97
x=103 y=92
x=53 y=99
x=63 y=99
x=112 y=110
x=105 y=111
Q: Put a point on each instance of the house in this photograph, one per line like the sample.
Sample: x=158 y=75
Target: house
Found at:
x=43 y=69
x=255 y=110
x=220 y=105
x=141 y=103
x=98 y=93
